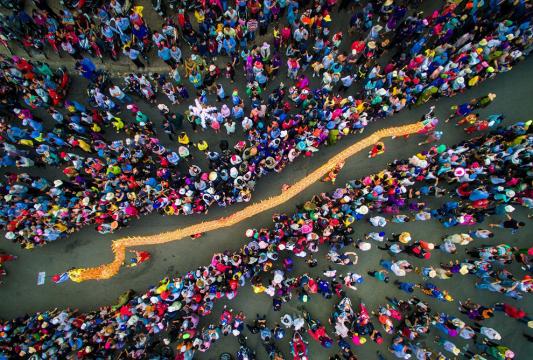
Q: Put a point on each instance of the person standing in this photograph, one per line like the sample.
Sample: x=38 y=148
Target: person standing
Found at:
x=116 y=92
x=165 y=54
x=134 y=55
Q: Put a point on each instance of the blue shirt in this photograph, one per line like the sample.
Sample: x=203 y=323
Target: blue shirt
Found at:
x=133 y=54
x=164 y=53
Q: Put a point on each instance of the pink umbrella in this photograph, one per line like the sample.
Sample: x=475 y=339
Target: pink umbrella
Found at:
x=306 y=229
x=131 y=211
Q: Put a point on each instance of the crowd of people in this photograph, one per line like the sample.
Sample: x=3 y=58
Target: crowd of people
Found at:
x=496 y=165
x=399 y=58
x=108 y=183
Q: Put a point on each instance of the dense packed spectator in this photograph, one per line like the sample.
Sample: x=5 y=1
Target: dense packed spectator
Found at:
x=109 y=183
x=496 y=165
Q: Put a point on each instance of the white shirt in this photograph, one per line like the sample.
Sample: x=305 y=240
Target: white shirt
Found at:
x=490 y=333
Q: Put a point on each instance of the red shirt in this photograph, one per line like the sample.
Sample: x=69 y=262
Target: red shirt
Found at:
x=513 y=312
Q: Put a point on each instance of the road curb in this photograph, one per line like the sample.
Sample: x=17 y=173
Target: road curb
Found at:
x=114 y=67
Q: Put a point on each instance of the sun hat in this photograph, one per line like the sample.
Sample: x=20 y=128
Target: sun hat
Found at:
x=463 y=270
x=363 y=210
x=509 y=208
x=405 y=237
x=364 y=246
x=270 y=162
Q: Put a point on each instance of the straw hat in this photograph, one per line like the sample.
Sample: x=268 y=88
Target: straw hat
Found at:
x=270 y=162
x=463 y=270
x=405 y=237
x=371 y=45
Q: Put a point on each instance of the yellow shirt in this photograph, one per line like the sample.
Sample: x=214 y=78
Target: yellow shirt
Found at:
x=200 y=17
x=183 y=139
x=84 y=146
x=202 y=145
